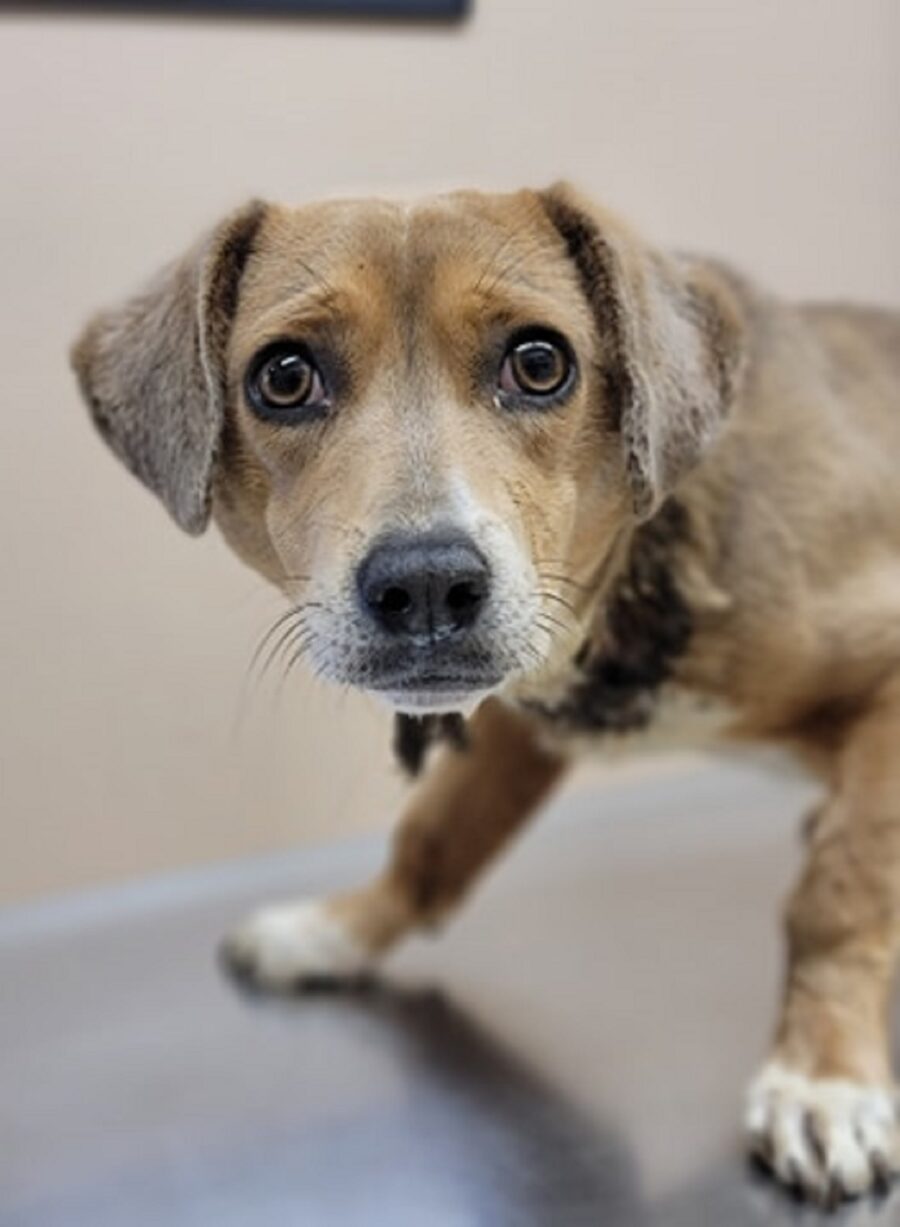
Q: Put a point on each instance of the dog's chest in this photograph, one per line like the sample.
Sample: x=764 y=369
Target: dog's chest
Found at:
x=660 y=719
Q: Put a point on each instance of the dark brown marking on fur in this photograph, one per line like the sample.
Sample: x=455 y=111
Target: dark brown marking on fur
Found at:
x=414 y=736
x=594 y=262
x=583 y=654
x=236 y=251
x=827 y=722
x=223 y=290
x=222 y=298
x=648 y=625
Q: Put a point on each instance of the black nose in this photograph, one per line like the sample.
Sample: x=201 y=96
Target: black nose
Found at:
x=424 y=587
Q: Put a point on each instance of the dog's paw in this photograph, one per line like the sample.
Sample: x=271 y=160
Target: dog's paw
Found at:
x=292 y=944
x=826 y=1138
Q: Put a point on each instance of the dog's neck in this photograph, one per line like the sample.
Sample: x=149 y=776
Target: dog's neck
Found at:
x=643 y=626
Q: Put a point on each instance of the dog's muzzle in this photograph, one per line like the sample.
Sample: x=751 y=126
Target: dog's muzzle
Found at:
x=423 y=597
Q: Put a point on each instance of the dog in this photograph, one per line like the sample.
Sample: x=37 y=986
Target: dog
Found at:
x=539 y=485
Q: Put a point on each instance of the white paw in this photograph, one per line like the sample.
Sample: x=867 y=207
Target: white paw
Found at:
x=826 y=1137
x=283 y=946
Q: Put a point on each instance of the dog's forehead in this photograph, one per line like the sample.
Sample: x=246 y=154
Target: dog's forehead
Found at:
x=378 y=251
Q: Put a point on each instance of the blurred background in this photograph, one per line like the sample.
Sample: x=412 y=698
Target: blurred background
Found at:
x=130 y=740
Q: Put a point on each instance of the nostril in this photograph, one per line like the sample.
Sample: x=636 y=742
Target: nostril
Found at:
x=395 y=600
x=464 y=597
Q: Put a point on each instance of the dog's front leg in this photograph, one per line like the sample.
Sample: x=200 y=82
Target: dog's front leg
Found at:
x=822 y=1113
x=466 y=808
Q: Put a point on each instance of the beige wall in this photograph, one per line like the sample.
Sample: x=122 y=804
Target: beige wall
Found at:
x=767 y=131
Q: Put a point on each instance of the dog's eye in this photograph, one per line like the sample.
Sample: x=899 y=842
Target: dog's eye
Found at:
x=283 y=381
x=537 y=367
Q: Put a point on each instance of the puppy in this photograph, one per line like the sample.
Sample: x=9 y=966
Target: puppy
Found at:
x=505 y=459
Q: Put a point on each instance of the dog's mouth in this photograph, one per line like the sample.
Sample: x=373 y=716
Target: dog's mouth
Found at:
x=436 y=682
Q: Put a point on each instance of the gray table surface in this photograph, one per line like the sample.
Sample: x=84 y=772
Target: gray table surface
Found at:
x=571 y=1050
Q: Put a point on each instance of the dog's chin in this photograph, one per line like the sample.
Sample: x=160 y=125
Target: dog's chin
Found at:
x=426 y=701
x=427 y=694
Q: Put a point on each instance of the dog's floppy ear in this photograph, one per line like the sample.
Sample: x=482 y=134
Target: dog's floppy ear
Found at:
x=152 y=371
x=670 y=339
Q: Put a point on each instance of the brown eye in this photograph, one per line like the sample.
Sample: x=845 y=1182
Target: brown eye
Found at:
x=284 y=383
x=536 y=367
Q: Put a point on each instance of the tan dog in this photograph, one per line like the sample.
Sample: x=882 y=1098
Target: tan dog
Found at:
x=504 y=458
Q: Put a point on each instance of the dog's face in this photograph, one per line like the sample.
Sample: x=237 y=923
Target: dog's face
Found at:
x=427 y=424
x=414 y=391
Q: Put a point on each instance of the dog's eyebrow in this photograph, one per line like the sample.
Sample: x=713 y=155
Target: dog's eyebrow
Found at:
x=509 y=274
x=510 y=271
x=311 y=307
x=318 y=278
x=322 y=296
x=493 y=261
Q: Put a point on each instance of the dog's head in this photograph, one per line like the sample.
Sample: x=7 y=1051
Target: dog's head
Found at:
x=427 y=424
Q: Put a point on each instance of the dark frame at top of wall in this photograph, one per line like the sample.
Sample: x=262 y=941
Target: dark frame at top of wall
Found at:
x=416 y=10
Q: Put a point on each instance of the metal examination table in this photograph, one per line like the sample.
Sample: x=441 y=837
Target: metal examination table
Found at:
x=572 y=1050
